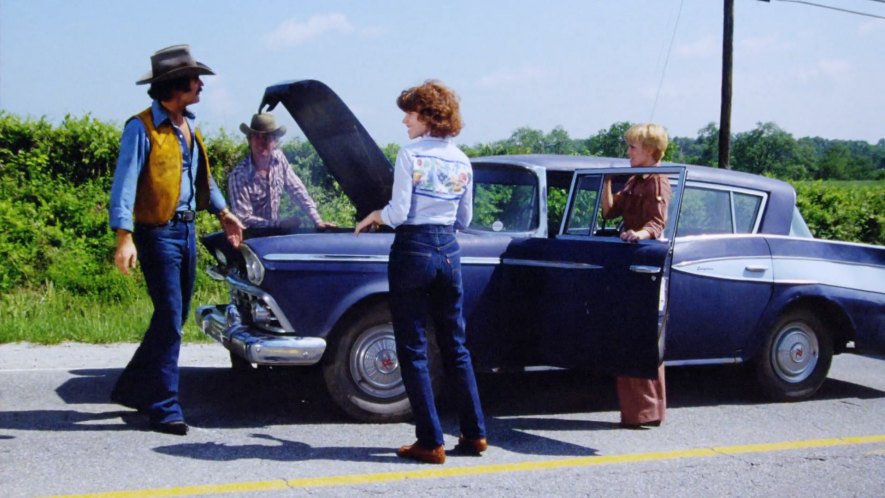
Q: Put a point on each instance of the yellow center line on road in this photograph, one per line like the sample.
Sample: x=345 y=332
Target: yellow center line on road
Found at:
x=436 y=473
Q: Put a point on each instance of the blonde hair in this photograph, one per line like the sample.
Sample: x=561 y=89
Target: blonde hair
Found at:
x=651 y=136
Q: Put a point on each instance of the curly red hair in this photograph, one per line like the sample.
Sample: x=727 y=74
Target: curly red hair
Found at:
x=437 y=106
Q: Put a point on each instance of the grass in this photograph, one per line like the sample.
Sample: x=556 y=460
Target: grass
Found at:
x=51 y=316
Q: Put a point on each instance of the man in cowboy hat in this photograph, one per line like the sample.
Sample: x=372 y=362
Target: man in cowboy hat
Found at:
x=162 y=178
x=256 y=184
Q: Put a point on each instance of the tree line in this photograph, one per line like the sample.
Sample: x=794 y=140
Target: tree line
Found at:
x=766 y=150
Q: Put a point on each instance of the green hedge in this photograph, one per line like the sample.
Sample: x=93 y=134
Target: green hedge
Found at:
x=850 y=211
x=57 y=249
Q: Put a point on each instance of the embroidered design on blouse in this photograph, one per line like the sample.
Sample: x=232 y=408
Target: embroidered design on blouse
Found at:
x=438 y=178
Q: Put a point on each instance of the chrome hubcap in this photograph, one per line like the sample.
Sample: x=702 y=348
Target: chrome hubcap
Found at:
x=795 y=353
x=374 y=364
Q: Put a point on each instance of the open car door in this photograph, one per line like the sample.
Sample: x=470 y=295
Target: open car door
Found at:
x=605 y=300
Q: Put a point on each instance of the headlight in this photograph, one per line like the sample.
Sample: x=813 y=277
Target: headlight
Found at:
x=254 y=268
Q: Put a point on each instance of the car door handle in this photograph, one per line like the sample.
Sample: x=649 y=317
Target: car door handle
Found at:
x=645 y=269
x=756 y=269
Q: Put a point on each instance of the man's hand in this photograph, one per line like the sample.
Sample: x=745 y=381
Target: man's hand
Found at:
x=232 y=226
x=126 y=255
x=325 y=225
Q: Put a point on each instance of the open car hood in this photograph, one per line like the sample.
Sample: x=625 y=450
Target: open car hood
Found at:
x=353 y=158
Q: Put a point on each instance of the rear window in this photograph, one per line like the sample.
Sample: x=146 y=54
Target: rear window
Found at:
x=798 y=227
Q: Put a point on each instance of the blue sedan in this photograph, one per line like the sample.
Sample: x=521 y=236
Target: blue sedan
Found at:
x=737 y=277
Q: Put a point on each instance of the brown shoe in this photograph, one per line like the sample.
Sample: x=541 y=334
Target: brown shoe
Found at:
x=471 y=446
x=421 y=454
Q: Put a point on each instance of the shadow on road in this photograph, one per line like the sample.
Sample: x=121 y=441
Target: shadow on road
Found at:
x=514 y=401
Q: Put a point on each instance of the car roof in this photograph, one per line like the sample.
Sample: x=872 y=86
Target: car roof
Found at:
x=555 y=162
x=781 y=195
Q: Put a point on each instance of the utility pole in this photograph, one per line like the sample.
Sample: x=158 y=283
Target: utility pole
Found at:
x=725 y=111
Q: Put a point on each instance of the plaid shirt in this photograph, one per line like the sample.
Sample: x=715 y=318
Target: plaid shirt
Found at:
x=255 y=199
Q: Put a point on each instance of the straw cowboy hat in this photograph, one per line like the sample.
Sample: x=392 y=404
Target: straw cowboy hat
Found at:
x=263 y=123
x=173 y=62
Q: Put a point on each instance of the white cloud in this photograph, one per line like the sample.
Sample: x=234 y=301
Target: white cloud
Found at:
x=510 y=77
x=294 y=32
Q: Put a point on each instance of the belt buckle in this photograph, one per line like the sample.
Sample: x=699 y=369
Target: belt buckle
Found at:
x=185 y=215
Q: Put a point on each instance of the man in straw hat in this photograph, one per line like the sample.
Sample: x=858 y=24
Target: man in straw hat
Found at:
x=162 y=178
x=256 y=184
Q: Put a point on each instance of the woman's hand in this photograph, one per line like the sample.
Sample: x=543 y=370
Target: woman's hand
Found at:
x=374 y=218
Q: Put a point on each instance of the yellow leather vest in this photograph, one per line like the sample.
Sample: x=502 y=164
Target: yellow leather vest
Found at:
x=159 y=185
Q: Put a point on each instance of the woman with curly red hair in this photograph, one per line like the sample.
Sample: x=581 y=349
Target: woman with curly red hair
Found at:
x=431 y=199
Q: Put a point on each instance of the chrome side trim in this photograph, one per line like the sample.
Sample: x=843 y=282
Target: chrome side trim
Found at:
x=239 y=285
x=741 y=269
x=708 y=361
x=790 y=271
x=367 y=258
x=326 y=258
x=867 y=278
x=257 y=347
x=480 y=260
x=564 y=265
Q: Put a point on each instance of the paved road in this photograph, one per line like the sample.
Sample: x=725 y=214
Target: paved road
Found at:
x=552 y=434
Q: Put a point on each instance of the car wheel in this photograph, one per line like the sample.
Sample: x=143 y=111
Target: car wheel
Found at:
x=796 y=357
x=362 y=371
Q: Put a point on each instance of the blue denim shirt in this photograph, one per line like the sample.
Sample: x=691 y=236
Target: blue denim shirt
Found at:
x=135 y=148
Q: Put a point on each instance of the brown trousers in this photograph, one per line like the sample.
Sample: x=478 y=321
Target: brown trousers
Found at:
x=642 y=401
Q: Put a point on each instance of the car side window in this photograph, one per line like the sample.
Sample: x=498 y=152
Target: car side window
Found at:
x=584 y=216
x=504 y=199
x=704 y=211
x=583 y=206
x=746 y=210
x=718 y=211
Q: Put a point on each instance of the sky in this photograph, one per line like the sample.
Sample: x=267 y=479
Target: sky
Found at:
x=581 y=65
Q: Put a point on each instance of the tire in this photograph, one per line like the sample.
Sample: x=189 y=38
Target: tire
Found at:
x=795 y=358
x=362 y=371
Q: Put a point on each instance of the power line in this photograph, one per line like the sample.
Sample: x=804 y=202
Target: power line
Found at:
x=836 y=8
x=666 y=62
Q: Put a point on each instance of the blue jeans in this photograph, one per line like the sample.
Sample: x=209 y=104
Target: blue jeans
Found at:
x=424 y=273
x=167 y=255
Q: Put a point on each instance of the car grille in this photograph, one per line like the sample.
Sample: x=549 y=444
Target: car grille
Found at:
x=257 y=310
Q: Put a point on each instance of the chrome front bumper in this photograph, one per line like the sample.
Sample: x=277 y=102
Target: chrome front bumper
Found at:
x=257 y=346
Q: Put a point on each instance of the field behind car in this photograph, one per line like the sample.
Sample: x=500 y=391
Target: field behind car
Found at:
x=58 y=282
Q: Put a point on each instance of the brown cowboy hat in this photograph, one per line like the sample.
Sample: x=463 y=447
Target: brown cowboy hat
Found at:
x=173 y=62
x=263 y=123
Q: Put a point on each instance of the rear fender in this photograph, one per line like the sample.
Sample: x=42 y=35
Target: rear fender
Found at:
x=815 y=300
